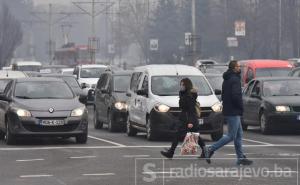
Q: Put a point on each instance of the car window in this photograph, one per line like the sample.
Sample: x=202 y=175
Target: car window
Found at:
x=281 y=88
x=277 y=72
x=250 y=75
x=256 y=89
x=145 y=83
x=43 y=90
x=91 y=72
x=135 y=79
x=121 y=83
x=249 y=88
x=3 y=84
x=71 y=81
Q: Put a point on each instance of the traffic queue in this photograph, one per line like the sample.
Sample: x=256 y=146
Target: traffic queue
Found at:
x=53 y=102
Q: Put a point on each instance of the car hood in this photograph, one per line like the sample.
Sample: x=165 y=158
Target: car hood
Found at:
x=45 y=104
x=284 y=100
x=173 y=101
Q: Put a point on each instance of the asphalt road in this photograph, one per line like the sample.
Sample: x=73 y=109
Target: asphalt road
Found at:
x=116 y=159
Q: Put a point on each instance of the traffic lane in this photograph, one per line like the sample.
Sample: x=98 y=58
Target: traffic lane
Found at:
x=114 y=166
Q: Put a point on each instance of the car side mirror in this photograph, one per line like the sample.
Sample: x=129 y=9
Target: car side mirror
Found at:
x=3 y=97
x=218 y=92
x=142 y=92
x=83 y=86
x=83 y=99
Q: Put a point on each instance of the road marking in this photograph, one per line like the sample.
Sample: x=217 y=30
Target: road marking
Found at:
x=244 y=154
x=107 y=141
x=259 y=142
x=29 y=160
x=122 y=147
x=135 y=156
x=83 y=157
x=98 y=174
x=35 y=176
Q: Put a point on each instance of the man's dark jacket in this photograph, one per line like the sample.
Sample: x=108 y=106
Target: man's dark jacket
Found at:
x=232 y=94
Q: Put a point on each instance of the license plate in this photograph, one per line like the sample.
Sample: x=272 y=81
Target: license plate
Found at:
x=201 y=121
x=52 y=122
x=298 y=118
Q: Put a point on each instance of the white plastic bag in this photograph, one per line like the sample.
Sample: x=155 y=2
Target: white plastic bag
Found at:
x=190 y=144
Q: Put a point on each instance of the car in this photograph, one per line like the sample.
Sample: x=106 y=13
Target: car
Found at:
x=52 y=68
x=37 y=107
x=69 y=79
x=27 y=65
x=88 y=75
x=12 y=74
x=216 y=81
x=273 y=104
x=251 y=69
x=111 y=100
x=67 y=71
x=295 y=72
x=215 y=68
x=153 y=104
x=295 y=61
x=201 y=62
x=32 y=73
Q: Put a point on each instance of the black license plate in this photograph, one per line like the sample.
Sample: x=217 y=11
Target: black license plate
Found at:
x=52 y=122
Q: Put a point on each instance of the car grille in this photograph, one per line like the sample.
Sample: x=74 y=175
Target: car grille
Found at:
x=205 y=111
x=296 y=109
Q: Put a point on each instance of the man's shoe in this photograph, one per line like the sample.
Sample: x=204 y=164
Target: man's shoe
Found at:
x=167 y=154
x=207 y=154
x=244 y=162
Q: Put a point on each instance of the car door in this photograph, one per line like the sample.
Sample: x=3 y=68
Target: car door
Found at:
x=133 y=104
x=254 y=103
x=100 y=98
x=246 y=97
x=107 y=96
x=4 y=104
x=142 y=101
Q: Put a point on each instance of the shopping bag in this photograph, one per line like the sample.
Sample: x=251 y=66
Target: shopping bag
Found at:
x=190 y=144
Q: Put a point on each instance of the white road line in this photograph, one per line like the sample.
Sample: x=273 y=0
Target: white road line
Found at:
x=259 y=142
x=98 y=174
x=107 y=141
x=135 y=156
x=29 y=160
x=35 y=176
x=83 y=157
x=244 y=154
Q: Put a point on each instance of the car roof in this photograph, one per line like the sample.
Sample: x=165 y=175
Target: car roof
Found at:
x=170 y=70
x=39 y=79
x=93 y=66
x=276 y=78
x=12 y=74
x=22 y=63
x=56 y=75
x=266 y=63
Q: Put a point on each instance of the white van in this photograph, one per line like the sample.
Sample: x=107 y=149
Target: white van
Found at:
x=153 y=105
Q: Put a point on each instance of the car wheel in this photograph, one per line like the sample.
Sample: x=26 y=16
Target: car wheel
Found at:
x=151 y=135
x=9 y=138
x=111 y=125
x=97 y=123
x=129 y=129
x=2 y=135
x=81 y=139
x=264 y=124
x=217 y=135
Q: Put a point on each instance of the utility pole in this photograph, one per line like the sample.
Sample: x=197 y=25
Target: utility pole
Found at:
x=93 y=41
x=194 y=31
x=50 y=34
x=279 y=29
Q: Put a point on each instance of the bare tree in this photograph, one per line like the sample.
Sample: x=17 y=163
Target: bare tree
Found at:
x=10 y=35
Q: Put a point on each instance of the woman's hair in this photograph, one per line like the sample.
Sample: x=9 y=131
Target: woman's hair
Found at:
x=187 y=83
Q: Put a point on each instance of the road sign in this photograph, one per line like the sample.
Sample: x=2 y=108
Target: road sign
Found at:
x=240 y=28
x=232 y=42
x=188 y=38
x=153 y=44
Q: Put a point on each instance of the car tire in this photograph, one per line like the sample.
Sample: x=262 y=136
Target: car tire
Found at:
x=264 y=124
x=150 y=133
x=2 y=135
x=111 y=125
x=129 y=129
x=217 y=135
x=97 y=123
x=81 y=139
x=10 y=139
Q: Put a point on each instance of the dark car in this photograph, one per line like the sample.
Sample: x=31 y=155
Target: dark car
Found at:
x=69 y=79
x=110 y=100
x=216 y=81
x=273 y=104
x=42 y=107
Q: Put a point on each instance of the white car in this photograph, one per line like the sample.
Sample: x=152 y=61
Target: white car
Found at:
x=67 y=71
x=153 y=103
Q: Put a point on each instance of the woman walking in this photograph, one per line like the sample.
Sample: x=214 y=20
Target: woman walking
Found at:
x=188 y=120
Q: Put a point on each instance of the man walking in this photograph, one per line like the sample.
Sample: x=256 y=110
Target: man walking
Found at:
x=232 y=111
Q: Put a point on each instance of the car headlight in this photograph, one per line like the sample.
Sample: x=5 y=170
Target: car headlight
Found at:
x=218 y=107
x=282 y=108
x=162 y=108
x=77 y=112
x=22 y=112
x=121 y=106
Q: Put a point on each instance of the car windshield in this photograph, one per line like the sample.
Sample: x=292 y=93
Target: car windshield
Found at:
x=3 y=83
x=71 y=81
x=67 y=72
x=170 y=85
x=121 y=83
x=91 y=72
x=281 y=88
x=43 y=90
x=277 y=72
x=215 y=81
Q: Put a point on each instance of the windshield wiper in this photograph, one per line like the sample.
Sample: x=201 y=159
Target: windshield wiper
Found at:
x=24 y=97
